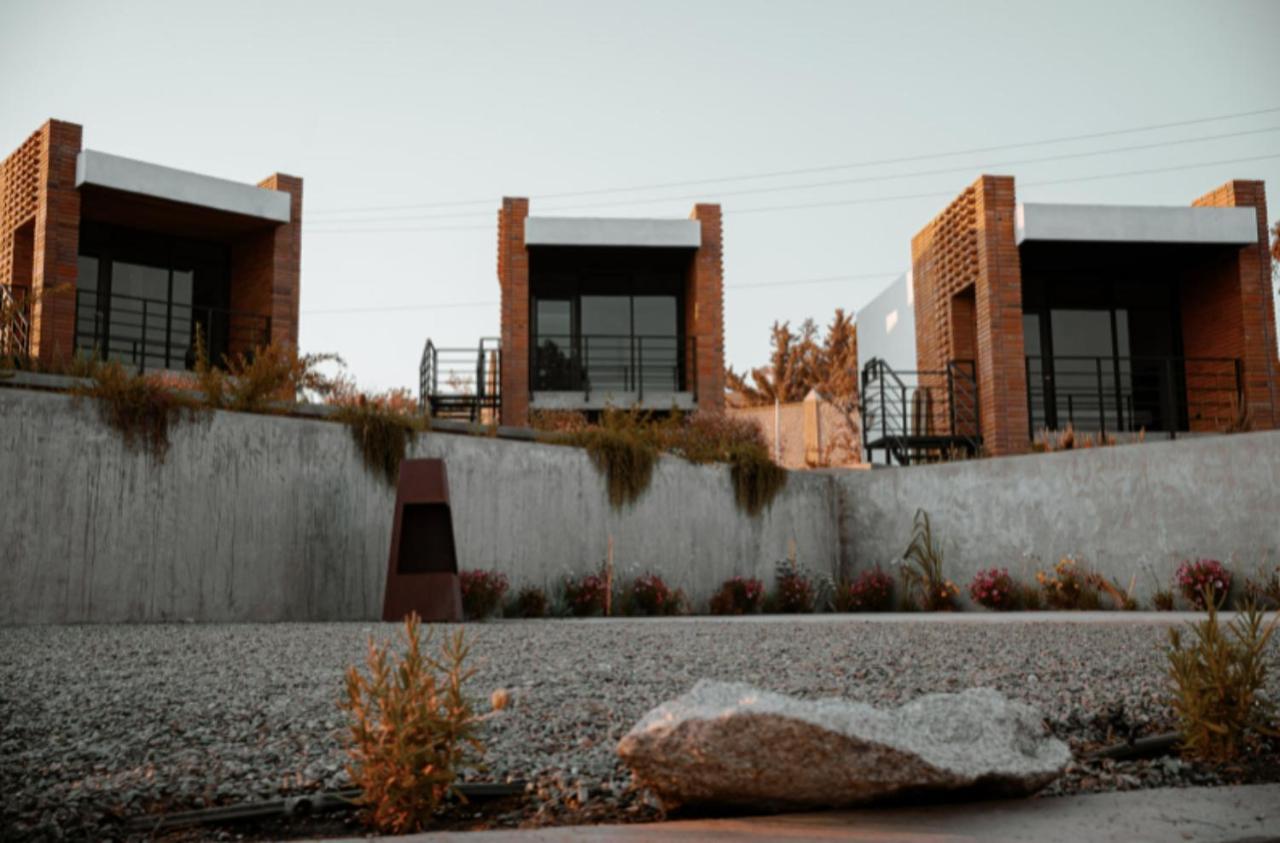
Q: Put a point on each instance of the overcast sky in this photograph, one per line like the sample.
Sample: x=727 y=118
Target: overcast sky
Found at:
x=446 y=107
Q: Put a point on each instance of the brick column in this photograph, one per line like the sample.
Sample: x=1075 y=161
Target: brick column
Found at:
x=265 y=275
x=1002 y=373
x=704 y=310
x=513 y=279
x=1231 y=312
x=56 y=243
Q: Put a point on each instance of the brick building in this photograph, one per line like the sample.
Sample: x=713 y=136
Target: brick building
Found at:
x=596 y=313
x=127 y=260
x=1111 y=319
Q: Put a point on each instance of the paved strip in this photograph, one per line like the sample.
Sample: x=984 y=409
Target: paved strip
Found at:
x=1198 y=815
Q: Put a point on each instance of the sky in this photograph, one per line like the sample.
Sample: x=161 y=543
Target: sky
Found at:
x=830 y=132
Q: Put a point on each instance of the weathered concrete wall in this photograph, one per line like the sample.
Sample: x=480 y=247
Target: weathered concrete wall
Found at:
x=1129 y=510
x=271 y=518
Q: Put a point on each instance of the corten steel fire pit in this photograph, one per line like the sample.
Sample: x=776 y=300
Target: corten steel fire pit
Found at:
x=422 y=573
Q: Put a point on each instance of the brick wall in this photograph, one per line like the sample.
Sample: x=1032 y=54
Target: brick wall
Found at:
x=40 y=232
x=704 y=309
x=513 y=278
x=1229 y=311
x=967 y=282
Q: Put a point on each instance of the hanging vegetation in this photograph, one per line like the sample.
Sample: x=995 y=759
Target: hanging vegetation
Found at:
x=141 y=408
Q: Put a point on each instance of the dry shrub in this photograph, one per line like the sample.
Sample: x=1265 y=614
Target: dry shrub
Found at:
x=1219 y=683
x=411 y=731
x=529 y=602
x=757 y=479
x=482 y=593
x=558 y=421
x=738 y=596
x=922 y=576
x=1067 y=439
x=253 y=382
x=1264 y=588
x=381 y=432
x=139 y=407
x=1070 y=585
x=1162 y=600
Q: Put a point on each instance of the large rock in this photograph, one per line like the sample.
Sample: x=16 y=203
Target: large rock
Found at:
x=727 y=743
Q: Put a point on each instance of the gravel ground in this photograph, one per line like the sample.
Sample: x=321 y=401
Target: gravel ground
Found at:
x=99 y=723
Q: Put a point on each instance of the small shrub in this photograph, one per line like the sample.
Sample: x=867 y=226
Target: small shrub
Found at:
x=1162 y=600
x=1219 y=681
x=994 y=589
x=922 y=575
x=1264 y=589
x=252 y=382
x=482 y=592
x=649 y=595
x=586 y=596
x=793 y=592
x=139 y=407
x=871 y=591
x=1069 y=586
x=411 y=730
x=529 y=602
x=1029 y=598
x=383 y=435
x=1204 y=576
x=738 y=596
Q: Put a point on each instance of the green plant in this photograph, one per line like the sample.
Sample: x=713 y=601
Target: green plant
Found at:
x=139 y=407
x=529 y=602
x=1218 y=683
x=922 y=577
x=793 y=592
x=586 y=595
x=411 y=730
x=871 y=591
x=382 y=434
x=647 y=595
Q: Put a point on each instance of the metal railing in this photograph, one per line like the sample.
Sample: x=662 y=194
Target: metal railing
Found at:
x=920 y=416
x=161 y=334
x=461 y=382
x=1129 y=394
x=612 y=363
x=15 y=322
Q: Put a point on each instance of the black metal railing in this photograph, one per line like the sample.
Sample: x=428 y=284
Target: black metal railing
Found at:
x=612 y=363
x=161 y=334
x=15 y=322
x=920 y=416
x=1131 y=394
x=461 y=382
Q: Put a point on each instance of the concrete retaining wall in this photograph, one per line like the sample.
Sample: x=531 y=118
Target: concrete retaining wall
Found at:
x=270 y=518
x=1134 y=510
x=273 y=518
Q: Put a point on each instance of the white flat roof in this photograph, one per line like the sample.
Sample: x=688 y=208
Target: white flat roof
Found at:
x=603 y=231
x=1135 y=224
x=125 y=174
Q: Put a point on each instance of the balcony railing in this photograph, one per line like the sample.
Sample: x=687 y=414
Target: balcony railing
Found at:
x=160 y=334
x=463 y=383
x=1130 y=394
x=15 y=322
x=920 y=416
x=612 y=363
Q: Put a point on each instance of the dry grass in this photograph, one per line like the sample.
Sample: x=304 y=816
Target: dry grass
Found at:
x=383 y=432
x=141 y=408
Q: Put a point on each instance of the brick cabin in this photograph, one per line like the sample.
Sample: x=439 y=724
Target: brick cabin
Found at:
x=603 y=312
x=129 y=260
x=1114 y=319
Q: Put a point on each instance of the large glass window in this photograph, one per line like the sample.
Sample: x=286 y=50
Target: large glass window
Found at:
x=616 y=343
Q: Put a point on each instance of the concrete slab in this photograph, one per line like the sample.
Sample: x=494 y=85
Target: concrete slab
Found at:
x=1239 y=814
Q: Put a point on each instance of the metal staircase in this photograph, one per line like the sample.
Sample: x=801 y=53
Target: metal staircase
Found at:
x=920 y=416
x=461 y=383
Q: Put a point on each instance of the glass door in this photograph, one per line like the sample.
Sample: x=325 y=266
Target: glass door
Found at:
x=554 y=361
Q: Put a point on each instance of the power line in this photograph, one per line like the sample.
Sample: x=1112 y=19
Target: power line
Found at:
x=842 y=182
x=818 y=169
x=827 y=279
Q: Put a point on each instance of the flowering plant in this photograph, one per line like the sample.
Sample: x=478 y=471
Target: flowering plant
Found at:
x=872 y=591
x=1069 y=586
x=793 y=593
x=738 y=596
x=482 y=592
x=994 y=588
x=647 y=594
x=585 y=596
x=1194 y=578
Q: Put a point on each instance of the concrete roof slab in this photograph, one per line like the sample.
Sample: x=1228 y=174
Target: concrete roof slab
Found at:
x=603 y=231
x=1037 y=221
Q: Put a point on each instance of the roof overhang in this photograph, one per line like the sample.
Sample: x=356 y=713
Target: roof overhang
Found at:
x=113 y=172
x=603 y=231
x=1038 y=221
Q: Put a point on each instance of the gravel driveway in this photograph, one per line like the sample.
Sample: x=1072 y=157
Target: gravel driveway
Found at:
x=98 y=722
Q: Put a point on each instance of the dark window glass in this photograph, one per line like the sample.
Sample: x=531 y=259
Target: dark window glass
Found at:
x=606 y=342
x=553 y=355
x=657 y=343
